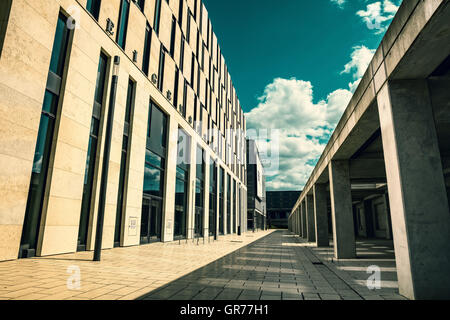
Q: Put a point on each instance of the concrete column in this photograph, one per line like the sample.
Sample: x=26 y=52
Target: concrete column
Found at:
x=310 y=220
x=417 y=194
x=304 y=226
x=321 y=215
x=341 y=210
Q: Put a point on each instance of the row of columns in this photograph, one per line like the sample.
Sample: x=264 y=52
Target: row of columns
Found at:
x=417 y=192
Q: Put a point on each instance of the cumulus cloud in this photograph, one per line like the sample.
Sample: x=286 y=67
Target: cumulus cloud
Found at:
x=378 y=15
x=303 y=128
x=360 y=60
x=298 y=127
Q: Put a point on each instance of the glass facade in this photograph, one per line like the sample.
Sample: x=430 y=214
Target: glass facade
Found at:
x=30 y=231
x=154 y=173
x=199 y=192
x=147 y=47
x=124 y=161
x=93 y=6
x=221 y=201
x=229 y=227
x=91 y=161
x=157 y=16
x=123 y=23
x=181 y=186
x=212 y=197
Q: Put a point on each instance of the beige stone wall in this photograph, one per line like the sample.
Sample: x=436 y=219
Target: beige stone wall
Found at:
x=24 y=65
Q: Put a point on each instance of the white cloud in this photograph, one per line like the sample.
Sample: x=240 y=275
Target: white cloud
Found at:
x=377 y=15
x=304 y=127
x=360 y=60
x=339 y=3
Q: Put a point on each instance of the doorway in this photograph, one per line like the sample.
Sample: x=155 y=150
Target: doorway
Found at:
x=151 y=220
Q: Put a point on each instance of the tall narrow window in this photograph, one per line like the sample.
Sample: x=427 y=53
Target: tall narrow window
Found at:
x=180 y=13
x=235 y=209
x=93 y=6
x=175 y=89
x=172 y=37
x=199 y=192
x=123 y=23
x=182 y=53
x=89 y=175
x=188 y=28
x=124 y=162
x=147 y=48
x=157 y=16
x=221 y=200
x=52 y=97
x=154 y=172
x=162 y=57
x=140 y=4
x=181 y=186
x=212 y=197
x=184 y=98
x=229 y=204
x=192 y=71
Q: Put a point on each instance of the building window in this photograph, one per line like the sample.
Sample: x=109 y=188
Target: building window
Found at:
x=157 y=16
x=124 y=161
x=154 y=171
x=234 y=185
x=221 y=200
x=172 y=37
x=123 y=23
x=91 y=161
x=229 y=204
x=188 y=29
x=140 y=4
x=180 y=14
x=175 y=89
x=182 y=53
x=162 y=57
x=147 y=48
x=212 y=197
x=199 y=192
x=181 y=185
x=93 y=6
x=184 y=98
x=52 y=97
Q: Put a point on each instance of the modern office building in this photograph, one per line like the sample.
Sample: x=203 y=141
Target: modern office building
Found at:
x=177 y=163
x=387 y=164
x=256 y=186
x=279 y=206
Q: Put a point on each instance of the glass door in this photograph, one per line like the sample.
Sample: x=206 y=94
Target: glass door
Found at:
x=151 y=220
x=155 y=220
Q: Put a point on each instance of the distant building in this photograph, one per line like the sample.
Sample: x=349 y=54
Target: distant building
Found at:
x=279 y=206
x=256 y=196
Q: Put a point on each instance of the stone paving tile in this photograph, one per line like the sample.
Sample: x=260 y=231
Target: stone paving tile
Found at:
x=269 y=270
x=265 y=265
x=134 y=271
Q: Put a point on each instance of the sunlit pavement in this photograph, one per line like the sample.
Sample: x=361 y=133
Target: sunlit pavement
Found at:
x=281 y=266
x=123 y=274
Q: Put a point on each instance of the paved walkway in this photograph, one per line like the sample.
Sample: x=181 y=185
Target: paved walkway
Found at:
x=123 y=274
x=283 y=267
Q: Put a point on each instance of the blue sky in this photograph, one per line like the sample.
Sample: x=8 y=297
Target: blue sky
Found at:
x=295 y=64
